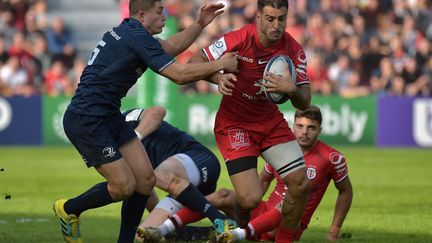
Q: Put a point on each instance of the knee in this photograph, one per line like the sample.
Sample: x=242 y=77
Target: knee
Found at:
x=249 y=201
x=122 y=190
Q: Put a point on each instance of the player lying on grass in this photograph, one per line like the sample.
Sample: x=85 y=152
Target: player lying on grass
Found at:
x=184 y=168
x=323 y=164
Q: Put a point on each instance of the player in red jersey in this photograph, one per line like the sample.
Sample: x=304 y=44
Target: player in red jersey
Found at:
x=249 y=125
x=323 y=163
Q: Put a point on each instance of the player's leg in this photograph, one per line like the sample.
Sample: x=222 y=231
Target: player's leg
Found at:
x=132 y=208
x=240 y=149
x=287 y=159
x=94 y=142
x=223 y=199
x=179 y=176
x=245 y=180
x=264 y=220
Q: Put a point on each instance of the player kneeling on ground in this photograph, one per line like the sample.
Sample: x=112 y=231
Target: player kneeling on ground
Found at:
x=184 y=168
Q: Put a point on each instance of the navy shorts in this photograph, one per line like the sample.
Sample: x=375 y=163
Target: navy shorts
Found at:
x=97 y=139
x=208 y=165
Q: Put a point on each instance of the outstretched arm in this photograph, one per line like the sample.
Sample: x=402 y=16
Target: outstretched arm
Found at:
x=179 y=42
x=187 y=73
x=343 y=204
x=150 y=120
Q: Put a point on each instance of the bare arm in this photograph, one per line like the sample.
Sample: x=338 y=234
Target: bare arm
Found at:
x=343 y=204
x=301 y=98
x=225 y=81
x=150 y=120
x=188 y=73
x=179 y=42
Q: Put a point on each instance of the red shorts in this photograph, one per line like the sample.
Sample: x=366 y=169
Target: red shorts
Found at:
x=237 y=139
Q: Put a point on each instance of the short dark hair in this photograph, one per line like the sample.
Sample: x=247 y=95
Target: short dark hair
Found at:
x=272 y=3
x=312 y=113
x=138 y=5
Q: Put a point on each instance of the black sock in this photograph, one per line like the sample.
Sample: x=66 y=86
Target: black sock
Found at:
x=195 y=200
x=132 y=211
x=95 y=197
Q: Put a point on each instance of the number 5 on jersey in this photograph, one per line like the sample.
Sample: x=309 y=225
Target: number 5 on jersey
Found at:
x=96 y=52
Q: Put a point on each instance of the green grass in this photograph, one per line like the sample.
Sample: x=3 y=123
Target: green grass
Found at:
x=392 y=196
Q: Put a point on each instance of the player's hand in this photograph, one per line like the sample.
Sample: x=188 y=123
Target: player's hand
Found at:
x=229 y=62
x=208 y=12
x=278 y=84
x=225 y=83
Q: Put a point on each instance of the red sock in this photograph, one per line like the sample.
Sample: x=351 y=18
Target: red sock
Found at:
x=265 y=222
x=187 y=216
x=285 y=235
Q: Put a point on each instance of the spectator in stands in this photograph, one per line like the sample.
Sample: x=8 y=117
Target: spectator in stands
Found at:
x=14 y=79
x=60 y=42
x=4 y=54
x=57 y=81
x=7 y=28
x=353 y=88
x=397 y=87
x=339 y=72
x=382 y=76
x=40 y=9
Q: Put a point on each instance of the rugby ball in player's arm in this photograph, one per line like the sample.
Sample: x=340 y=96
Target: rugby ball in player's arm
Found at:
x=276 y=65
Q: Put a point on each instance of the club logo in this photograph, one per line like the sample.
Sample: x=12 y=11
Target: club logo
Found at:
x=238 y=138
x=108 y=152
x=311 y=173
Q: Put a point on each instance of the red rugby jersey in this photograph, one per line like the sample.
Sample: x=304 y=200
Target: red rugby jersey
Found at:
x=248 y=102
x=323 y=164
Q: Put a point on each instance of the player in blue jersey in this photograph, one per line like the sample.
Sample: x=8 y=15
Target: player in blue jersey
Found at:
x=97 y=129
x=184 y=168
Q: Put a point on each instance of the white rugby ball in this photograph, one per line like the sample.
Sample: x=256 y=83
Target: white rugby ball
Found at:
x=276 y=65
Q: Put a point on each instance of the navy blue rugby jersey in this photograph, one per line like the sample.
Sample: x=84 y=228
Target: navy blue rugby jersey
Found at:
x=119 y=59
x=164 y=142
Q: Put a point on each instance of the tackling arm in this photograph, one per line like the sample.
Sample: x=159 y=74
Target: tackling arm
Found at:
x=150 y=120
x=179 y=42
x=343 y=204
x=187 y=73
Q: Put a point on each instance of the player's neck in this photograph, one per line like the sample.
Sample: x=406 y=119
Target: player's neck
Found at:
x=307 y=149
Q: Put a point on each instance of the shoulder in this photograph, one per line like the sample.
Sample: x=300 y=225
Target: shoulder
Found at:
x=329 y=153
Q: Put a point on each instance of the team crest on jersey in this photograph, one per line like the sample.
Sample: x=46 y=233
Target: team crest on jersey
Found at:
x=311 y=173
x=238 y=138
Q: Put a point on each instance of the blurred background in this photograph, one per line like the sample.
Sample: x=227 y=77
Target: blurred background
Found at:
x=369 y=61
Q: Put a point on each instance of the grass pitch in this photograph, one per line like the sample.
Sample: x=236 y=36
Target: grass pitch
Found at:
x=392 y=196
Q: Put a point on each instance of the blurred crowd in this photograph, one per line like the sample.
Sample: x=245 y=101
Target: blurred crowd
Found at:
x=37 y=53
x=354 y=47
